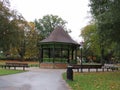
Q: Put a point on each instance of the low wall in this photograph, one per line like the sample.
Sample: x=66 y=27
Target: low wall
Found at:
x=53 y=65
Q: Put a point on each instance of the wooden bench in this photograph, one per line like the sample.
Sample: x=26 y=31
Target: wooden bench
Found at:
x=14 y=65
x=87 y=67
x=110 y=67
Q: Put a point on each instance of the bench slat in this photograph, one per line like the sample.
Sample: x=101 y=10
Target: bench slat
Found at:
x=86 y=67
x=11 y=64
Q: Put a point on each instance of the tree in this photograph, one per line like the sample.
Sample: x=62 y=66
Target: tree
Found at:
x=91 y=41
x=47 y=24
x=106 y=14
x=4 y=23
x=32 y=38
x=11 y=27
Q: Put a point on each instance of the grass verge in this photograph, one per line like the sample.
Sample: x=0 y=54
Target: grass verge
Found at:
x=8 y=72
x=95 y=81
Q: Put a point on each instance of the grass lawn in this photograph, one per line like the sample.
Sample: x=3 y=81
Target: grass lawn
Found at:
x=7 y=72
x=95 y=81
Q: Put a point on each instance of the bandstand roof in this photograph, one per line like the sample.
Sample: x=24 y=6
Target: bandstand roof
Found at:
x=59 y=35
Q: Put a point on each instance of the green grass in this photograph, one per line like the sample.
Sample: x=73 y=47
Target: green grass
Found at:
x=7 y=72
x=95 y=81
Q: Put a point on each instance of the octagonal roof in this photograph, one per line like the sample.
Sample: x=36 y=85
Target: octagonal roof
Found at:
x=59 y=35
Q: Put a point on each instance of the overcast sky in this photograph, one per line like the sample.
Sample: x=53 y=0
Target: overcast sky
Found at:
x=75 y=12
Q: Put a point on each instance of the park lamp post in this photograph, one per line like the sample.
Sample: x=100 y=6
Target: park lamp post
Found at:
x=81 y=47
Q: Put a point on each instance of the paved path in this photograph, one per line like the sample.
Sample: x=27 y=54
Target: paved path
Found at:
x=35 y=79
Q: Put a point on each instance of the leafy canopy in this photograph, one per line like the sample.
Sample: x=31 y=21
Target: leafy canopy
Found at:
x=47 y=24
x=11 y=26
x=107 y=13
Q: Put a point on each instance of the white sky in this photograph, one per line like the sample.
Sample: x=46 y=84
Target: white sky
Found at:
x=75 y=12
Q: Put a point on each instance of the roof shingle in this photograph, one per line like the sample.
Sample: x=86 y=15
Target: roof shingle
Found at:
x=59 y=35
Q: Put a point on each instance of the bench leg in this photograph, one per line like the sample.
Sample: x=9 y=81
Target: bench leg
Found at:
x=88 y=69
x=81 y=69
x=5 y=67
x=96 y=69
x=23 y=68
x=107 y=69
x=103 y=69
x=8 y=67
x=112 y=69
x=14 y=68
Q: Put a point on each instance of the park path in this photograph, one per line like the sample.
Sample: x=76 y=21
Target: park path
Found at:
x=35 y=79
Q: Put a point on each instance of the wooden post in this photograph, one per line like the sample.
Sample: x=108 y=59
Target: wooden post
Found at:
x=81 y=61
x=49 y=54
x=61 y=53
x=41 y=54
x=76 y=54
x=68 y=61
x=53 y=53
x=72 y=54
